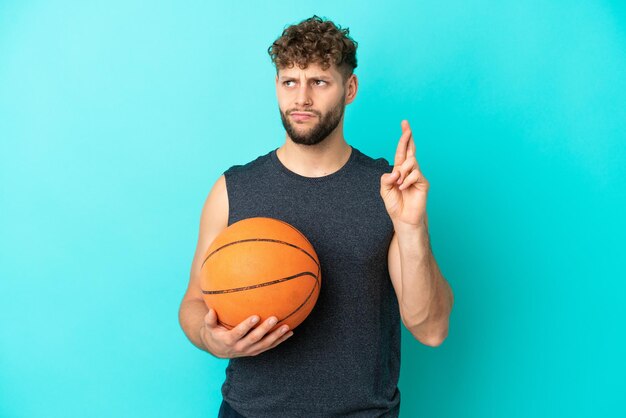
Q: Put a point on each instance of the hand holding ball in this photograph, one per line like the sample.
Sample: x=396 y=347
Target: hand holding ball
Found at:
x=261 y=266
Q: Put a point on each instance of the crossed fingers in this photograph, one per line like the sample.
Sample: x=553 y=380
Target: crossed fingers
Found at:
x=405 y=162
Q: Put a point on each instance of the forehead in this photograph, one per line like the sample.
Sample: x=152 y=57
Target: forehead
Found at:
x=311 y=71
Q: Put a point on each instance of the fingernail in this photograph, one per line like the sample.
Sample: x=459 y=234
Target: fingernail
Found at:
x=273 y=321
x=254 y=320
x=284 y=329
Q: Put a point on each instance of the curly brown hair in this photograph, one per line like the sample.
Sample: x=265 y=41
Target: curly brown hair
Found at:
x=315 y=40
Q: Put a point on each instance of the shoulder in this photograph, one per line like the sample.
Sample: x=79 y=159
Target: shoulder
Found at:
x=377 y=165
x=249 y=167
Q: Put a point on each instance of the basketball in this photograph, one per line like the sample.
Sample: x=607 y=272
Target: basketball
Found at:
x=261 y=266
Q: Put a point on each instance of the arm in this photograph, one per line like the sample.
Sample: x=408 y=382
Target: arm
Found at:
x=198 y=322
x=213 y=220
x=424 y=296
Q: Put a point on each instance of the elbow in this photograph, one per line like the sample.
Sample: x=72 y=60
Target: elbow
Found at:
x=429 y=335
x=433 y=340
x=413 y=320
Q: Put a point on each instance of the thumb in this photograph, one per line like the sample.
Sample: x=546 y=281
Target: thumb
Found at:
x=387 y=181
x=210 y=319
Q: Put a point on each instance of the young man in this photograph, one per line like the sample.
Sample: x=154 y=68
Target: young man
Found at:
x=367 y=222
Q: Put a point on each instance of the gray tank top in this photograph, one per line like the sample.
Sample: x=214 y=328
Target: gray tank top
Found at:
x=344 y=359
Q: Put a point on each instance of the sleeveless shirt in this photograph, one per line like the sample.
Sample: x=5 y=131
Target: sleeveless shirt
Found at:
x=344 y=359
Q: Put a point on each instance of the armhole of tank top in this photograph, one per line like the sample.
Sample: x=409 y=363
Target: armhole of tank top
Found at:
x=227 y=173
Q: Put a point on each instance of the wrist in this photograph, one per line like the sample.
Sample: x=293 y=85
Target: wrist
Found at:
x=413 y=240
x=402 y=228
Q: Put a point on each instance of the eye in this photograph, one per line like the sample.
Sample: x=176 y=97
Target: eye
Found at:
x=320 y=82
x=286 y=83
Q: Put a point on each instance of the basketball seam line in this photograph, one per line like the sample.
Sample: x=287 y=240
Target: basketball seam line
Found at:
x=255 y=286
x=275 y=281
x=259 y=240
x=294 y=311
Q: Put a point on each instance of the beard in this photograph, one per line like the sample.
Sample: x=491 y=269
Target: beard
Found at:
x=316 y=134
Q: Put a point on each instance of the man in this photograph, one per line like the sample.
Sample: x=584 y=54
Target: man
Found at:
x=367 y=222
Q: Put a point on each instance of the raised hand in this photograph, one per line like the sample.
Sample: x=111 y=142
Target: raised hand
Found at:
x=404 y=190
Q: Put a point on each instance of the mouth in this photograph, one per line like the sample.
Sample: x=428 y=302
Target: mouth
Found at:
x=302 y=116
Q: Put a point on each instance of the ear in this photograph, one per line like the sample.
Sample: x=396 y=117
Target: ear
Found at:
x=352 y=85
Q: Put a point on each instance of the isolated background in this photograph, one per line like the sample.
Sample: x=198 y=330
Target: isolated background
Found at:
x=116 y=117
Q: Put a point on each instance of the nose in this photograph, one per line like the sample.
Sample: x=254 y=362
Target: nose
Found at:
x=303 y=97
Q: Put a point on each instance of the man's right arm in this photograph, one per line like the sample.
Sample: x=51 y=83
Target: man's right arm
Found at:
x=199 y=323
x=213 y=220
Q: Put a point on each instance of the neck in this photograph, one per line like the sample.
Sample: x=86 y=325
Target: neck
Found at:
x=316 y=160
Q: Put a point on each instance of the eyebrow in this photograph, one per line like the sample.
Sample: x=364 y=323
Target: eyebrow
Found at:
x=315 y=77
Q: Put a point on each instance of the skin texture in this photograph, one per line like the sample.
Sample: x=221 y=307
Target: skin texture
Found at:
x=322 y=122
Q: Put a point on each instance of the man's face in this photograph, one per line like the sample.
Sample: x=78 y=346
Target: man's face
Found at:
x=311 y=102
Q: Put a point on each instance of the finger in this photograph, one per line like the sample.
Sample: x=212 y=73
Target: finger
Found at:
x=406 y=167
x=388 y=183
x=210 y=319
x=270 y=340
x=410 y=152
x=259 y=332
x=401 y=149
x=412 y=178
x=388 y=179
x=411 y=145
x=238 y=332
x=274 y=344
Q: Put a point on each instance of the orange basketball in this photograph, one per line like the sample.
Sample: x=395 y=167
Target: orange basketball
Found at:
x=261 y=266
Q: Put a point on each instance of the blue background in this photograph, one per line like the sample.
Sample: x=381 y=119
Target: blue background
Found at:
x=116 y=117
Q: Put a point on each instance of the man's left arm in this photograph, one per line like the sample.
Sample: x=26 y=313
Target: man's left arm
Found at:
x=424 y=296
